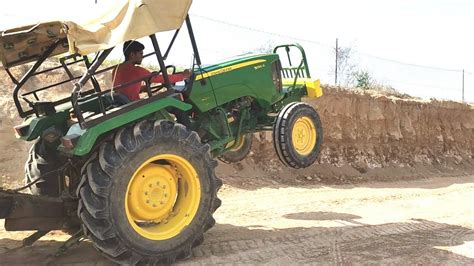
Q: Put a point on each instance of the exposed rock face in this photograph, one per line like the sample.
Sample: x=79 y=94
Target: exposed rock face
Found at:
x=376 y=130
x=366 y=130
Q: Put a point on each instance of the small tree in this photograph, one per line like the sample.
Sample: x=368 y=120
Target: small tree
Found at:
x=345 y=65
x=266 y=48
x=363 y=79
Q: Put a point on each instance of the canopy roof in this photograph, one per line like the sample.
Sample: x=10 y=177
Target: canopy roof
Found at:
x=126 y=20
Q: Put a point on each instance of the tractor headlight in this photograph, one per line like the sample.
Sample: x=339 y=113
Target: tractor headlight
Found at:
x=276 y=75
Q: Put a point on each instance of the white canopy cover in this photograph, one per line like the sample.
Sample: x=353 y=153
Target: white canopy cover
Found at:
x=125 y=20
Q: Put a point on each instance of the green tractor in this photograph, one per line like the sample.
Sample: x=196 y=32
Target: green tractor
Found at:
x=138 y=179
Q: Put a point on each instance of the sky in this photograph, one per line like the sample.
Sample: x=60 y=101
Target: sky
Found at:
x=433 y=33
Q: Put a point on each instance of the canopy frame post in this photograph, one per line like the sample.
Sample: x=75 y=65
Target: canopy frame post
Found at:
x=161 y=62
x=83 y=80
x=193 y=41
x=165 y=56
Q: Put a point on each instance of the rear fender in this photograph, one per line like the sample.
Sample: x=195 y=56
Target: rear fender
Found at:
x=35 y=126
x=89 y=137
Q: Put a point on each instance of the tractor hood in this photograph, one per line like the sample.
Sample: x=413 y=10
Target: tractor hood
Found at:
x=126 y=20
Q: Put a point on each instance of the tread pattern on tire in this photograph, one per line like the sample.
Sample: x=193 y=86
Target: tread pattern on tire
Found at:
x=97 y=180
x=44 y=163
x=282 y=132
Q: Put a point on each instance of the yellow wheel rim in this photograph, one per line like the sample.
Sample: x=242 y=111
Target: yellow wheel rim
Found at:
x=304 y=135
x=162 y=197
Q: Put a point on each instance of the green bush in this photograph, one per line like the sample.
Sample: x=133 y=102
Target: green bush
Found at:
x=363 y=80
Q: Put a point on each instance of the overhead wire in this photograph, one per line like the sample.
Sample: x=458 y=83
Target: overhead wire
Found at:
x=260 y=31
x=409 y=64
x=418 y=84
x=389 y=60
x=326 y=45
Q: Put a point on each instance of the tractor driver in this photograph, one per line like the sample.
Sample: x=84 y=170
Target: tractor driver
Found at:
x=130 y=70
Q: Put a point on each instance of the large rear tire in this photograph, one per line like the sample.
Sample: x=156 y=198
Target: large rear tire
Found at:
x=149 y=194
x=43 y=163
x=297 y=135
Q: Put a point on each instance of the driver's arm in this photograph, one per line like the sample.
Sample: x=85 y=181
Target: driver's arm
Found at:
x=177 y=77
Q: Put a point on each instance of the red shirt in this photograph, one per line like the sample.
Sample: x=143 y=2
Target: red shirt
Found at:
x=127 y=72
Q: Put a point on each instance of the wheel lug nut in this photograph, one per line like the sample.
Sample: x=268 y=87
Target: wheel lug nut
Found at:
x=161 y=202
x=150 y=185
x=148 y=202
x=154 y=205
x=146 y=193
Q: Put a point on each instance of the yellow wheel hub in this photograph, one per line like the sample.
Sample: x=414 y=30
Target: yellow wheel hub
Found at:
x=162 y=197
x=304 y=135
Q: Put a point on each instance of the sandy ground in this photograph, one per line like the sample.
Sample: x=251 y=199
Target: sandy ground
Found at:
x=393 y=185
x=428 y=221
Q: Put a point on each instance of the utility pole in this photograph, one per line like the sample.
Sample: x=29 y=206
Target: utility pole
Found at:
x=463 y=85
x=337 y=54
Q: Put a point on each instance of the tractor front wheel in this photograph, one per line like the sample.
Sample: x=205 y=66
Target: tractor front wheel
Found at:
x=297 y=135
x=149 y=194
x=239 y=150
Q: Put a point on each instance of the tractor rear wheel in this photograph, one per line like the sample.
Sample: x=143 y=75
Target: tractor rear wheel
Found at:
x=42 y=163
x=297 y=135
x=149 y=194
x=239 y=150
x=45 y=166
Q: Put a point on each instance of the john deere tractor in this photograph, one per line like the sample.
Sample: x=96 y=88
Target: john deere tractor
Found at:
x=138 y=179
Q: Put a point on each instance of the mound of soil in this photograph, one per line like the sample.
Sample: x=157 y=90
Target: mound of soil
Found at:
x=370 y=136
x=367 y=135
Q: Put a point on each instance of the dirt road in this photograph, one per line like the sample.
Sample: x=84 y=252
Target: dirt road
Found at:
x=428 y=221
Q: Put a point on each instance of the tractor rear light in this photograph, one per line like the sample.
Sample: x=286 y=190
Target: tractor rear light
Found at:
x=21 y=130
x=70 y=141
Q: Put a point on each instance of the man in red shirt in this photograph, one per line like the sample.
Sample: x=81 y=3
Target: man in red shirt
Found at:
x=130 y=70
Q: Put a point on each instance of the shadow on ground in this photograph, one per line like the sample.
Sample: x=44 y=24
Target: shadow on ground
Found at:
x=416 y=242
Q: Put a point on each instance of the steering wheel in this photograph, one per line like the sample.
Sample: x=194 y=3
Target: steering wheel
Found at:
x=170 y=69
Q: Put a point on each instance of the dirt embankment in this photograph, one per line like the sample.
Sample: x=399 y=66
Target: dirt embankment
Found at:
x=372 y=136
x=366 y=136
x=369 y=130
